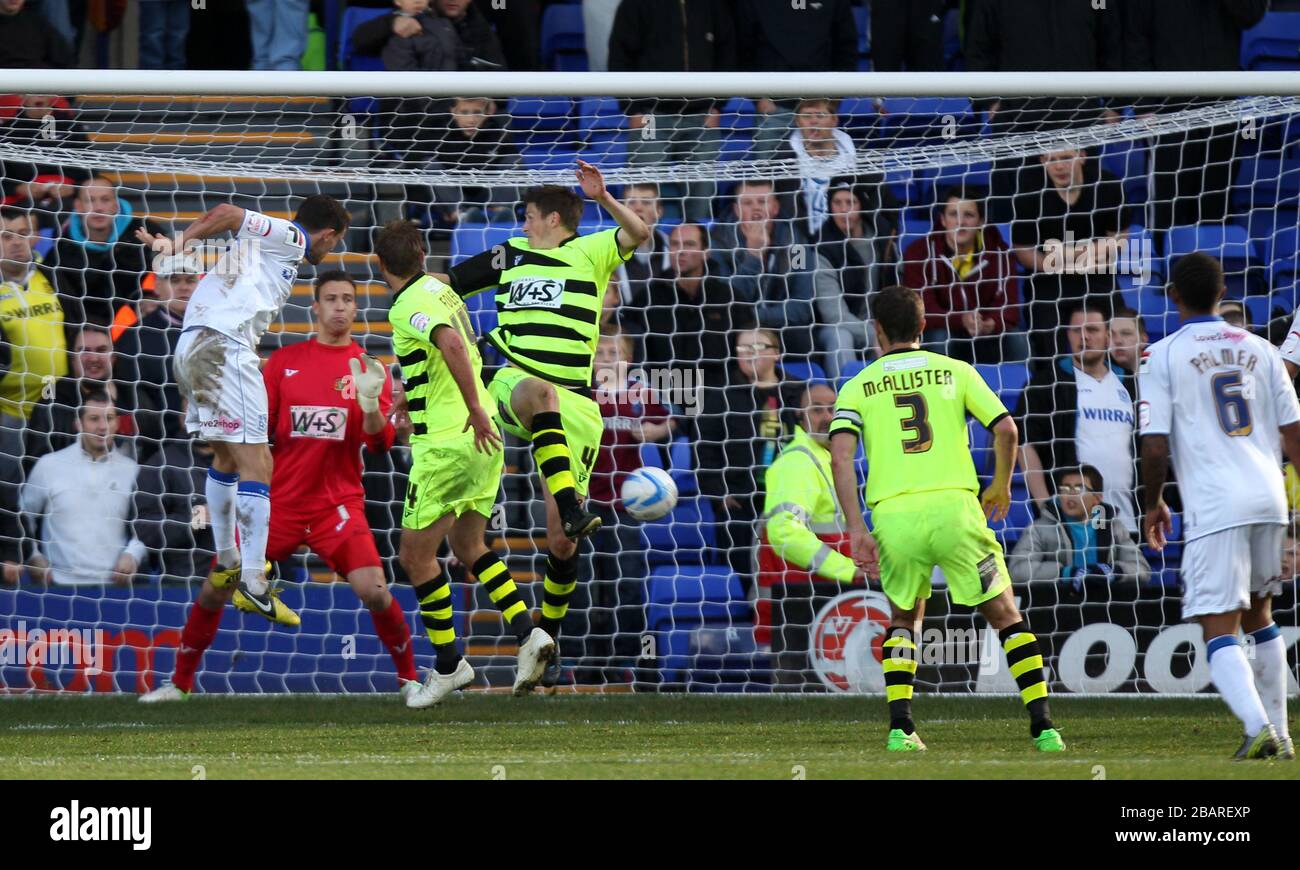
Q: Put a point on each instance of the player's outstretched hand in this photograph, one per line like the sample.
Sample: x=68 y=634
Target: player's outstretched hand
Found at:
x=996 y=502
x=591 y=180
x=368 y=375
x=1157 y=525
x=486 y=439
x=158 y=243
x=866 y=553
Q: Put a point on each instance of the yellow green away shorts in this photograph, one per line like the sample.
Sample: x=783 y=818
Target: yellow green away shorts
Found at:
x=918 y=531
x=450 y=477
x=580 y=417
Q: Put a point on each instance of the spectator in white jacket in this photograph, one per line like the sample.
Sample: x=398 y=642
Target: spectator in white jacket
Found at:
x=78 y=505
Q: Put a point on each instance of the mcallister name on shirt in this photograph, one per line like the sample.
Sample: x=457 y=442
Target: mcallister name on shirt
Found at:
x=906 y=382
x=1241 y=358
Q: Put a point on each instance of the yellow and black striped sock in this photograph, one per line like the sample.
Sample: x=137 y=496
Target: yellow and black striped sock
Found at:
x=899 y=666
x=500 y=586
x=561 y=579
x=1025 y=659
x=551 y=453
x=434 y=596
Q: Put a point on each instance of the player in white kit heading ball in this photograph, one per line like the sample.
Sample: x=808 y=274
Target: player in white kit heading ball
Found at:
x=1220 y=401
x=217 y=371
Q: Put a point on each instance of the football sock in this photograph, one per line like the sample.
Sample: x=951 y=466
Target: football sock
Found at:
x=1232 y=677
x=899 y=665
x=1025 y=661
x=1269 y=667
x=434 y=596
x=551 y=453
x=219 y=490
x=500 y=586
x=561 y=579
x=200 y=628
x=395 y=634
x=254 y=503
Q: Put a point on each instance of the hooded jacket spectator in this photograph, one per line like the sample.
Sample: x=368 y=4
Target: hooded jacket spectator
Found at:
x=93 y=278
x=951 y=286
x=435 y=47
x=1050 y=549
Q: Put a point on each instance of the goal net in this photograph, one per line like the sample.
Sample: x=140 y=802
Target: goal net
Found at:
x=1040 y=230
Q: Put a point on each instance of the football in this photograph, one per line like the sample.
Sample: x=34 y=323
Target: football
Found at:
x=649 y=494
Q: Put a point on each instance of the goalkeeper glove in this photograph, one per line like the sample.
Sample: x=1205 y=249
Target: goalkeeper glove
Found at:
x=368 y=377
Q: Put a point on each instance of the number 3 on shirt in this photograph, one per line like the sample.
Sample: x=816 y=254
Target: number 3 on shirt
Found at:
x=1234 y=410
x=919 y=424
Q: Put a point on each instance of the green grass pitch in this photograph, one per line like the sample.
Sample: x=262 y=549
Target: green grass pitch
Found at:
x=481 y=736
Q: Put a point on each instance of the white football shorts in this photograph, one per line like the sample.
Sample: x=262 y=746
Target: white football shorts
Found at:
x=1223 y=569
x=221 y=381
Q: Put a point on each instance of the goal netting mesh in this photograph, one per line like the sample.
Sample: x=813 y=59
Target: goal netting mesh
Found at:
x=776 y=222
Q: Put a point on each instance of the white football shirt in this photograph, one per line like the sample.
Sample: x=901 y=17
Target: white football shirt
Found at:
x=1103 y=438
x=251 y=281
x=1220 y=393
x=1291 y=347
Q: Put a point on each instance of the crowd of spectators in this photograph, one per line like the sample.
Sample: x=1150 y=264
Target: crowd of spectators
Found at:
x=762 y=286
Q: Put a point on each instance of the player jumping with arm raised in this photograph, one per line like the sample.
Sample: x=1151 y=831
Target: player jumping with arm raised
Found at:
x=217 y=373
x=1219 y=400
x=909 y=410
x=550 y=288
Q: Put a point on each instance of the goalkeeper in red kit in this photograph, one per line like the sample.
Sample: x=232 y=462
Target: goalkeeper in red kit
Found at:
x=326 y=400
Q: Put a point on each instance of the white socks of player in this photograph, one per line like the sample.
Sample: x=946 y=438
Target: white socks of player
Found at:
x=219 y=489
x=254 y=525
x=1235 y=682
x=1269 y=665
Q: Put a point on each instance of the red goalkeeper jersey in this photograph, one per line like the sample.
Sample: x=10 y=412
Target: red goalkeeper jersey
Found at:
x=317 y=426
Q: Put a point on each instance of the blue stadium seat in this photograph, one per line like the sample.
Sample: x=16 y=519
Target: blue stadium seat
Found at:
x=348 y=58
x=351 y=60
x=1276 y=233
x=1266 y=183
x=1020 y=517
x=693 y=593
x=966 y=175
x=687 y=534
x=1007 y=380
x=539 y=125
x=601 y=132
x=850 y=370
x=466 y=241
x=916 y=120
x=981 y=447
x=1231 y=243
x=804 y=371
x=1156 y=309
x=680 y=467
x=1273 y=43
x=563 y=41
x=1127 y=161
x=858 y=116
x=1259 y=308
